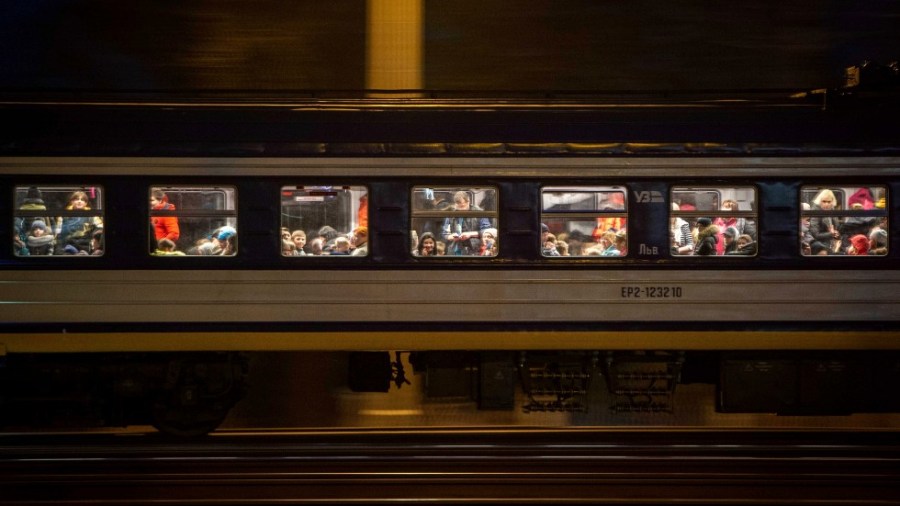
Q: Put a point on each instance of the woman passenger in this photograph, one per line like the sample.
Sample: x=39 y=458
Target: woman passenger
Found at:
x=427 y=245
x=608 y=245
x=824 y=229
x=488 y=244
x=76 y=230
x=878 y=241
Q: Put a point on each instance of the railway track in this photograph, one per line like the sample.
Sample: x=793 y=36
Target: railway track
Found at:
x=444 y=467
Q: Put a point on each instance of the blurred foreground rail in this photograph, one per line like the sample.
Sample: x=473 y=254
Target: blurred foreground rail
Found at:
x=493 y=466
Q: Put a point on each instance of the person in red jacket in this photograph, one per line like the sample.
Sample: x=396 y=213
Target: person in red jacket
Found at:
x=164 y=227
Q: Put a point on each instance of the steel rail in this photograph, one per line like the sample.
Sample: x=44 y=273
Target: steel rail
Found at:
x=489 y=466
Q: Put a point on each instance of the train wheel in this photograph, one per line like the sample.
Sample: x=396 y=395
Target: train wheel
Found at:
x=177 y=419
x=198 y=394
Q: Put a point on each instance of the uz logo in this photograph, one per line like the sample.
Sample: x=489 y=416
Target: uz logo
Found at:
x=646 y=197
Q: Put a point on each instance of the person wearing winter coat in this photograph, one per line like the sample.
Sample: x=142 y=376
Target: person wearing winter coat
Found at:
x=463 y=235
x=878 y=242
x=825 y=229
x=707 y=237
x=40 y=240
x=730 y=237
x=856 y=225
x=164 y=227
x=33 y=201
x=77 y=230
x=746 y=246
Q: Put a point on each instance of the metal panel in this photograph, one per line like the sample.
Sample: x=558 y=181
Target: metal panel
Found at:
x=453 y=296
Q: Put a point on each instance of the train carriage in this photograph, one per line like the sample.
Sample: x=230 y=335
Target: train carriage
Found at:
x=649 y=240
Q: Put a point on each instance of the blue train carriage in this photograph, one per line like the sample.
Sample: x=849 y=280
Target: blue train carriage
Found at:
x=511 y=260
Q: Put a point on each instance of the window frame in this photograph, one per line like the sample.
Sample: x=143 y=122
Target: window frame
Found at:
x=347 y=187
x=193 y=213
x=843 y=213
x=714 y=214
x=493 y=215
x=94 y=212
x=584 y=215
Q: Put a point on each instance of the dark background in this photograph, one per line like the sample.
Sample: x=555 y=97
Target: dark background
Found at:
x=489 y=45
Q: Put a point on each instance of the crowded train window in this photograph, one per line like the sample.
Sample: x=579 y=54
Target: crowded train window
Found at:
x=843 y=220
x=584 y=221
x=193 y=221
x=58 y=220
x=717 y=221
x=454 y=221
x=324 y=220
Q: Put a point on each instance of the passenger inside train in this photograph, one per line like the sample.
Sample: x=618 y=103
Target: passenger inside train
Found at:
x=198 y=221
x=713 y=221
x=334 y=217
x=58 y=220
x=454 y=221
x=458 y=221
x=585 y=221
x=843 y=221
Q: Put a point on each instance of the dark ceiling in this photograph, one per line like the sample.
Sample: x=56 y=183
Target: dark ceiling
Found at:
x=472 y=45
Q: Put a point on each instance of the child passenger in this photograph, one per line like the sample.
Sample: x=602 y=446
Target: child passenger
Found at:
x=298 y=237
x=39 y=240
x=859 y=245
x=341 y=246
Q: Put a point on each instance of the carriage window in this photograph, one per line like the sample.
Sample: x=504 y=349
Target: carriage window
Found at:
x=58 y=220
x=193 y=221
x=324 y=220
x=717 y=221
x=584 y=221
x=843 y=220
x=454 y=221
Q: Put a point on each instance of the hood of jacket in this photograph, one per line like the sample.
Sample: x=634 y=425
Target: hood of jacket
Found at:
x=710 y=231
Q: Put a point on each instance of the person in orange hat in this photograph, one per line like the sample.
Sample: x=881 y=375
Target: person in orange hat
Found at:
x=359 y=239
